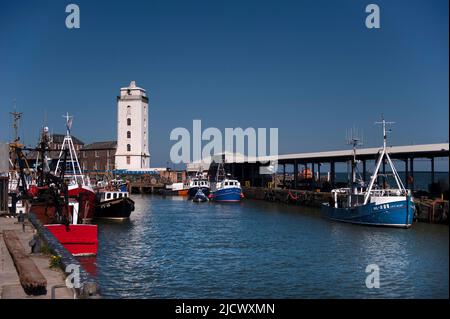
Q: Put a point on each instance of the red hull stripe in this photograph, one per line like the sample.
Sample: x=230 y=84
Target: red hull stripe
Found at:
x=79 y=240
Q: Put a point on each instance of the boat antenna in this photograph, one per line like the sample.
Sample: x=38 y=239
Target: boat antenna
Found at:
x=69 y=119
x=45 y=118
x=16 y=117
x=384 y=123
x=353 y=139
x=15 y=144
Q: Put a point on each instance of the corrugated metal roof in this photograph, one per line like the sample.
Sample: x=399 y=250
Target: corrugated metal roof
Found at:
x=411 y=150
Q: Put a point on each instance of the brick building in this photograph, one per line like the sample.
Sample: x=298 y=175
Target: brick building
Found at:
x=57 y=141
x=97 y=157
x=172 y=176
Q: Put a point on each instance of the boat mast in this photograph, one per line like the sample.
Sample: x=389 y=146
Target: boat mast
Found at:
x=68 y=146
x=355 y=141
x=386 y=153
x=16 y=117
x=17 y=158
x=42 y=157
x=221 y=172
x=383 y=154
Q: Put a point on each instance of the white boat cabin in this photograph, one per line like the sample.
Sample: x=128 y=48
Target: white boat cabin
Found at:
x=199 y=183
x=228 y=183
x=105 y=196
x=175 y=186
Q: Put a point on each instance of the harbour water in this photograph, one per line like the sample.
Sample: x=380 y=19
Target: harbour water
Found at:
x=173 y=248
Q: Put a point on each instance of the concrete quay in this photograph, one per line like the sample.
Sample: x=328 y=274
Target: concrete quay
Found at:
x=10 y=287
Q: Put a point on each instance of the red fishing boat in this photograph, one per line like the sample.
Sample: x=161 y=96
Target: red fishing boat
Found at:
x=64 y=200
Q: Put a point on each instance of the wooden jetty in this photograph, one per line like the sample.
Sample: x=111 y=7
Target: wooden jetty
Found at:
x=432 y=210
x=143 y=187
x=288 y=196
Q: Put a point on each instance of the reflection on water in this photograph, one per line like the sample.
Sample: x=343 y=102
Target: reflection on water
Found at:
x=89 y=264
x=173 y=248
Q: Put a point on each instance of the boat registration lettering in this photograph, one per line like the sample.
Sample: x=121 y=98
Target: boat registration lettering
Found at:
x=381 y=207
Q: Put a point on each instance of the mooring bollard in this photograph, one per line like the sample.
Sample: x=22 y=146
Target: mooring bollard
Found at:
x=35 y=244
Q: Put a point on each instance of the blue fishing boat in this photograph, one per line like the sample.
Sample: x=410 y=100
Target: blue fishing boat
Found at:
x=376 y=204
x=225 y=189
x=200 y=197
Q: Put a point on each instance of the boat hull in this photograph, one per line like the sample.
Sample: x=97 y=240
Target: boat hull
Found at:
x=193 y=191
x=200 y=197
x=79 y=240
x=120 y=208
x=232 y=194
x=395 y=214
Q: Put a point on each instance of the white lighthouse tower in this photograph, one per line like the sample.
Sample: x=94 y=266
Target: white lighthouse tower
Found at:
x=132 y=129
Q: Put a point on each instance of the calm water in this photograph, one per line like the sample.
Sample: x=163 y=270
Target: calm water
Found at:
x=173 y=248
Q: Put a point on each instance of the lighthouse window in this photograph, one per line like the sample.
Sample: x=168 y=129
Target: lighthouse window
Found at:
x=128 y=121
x=128 y=134
x=128 y=147
x=128 y=160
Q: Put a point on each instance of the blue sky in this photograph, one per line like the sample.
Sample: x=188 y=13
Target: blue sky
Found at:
x=310 y=68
